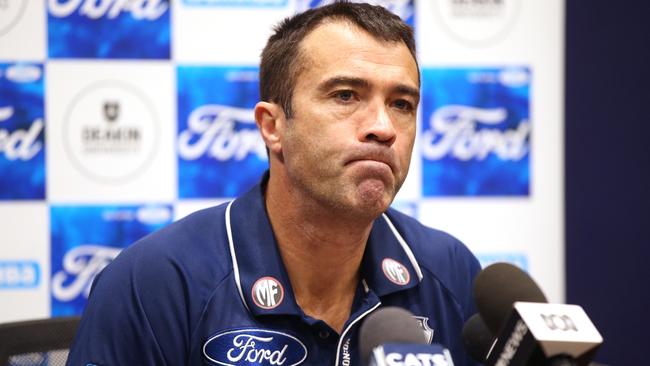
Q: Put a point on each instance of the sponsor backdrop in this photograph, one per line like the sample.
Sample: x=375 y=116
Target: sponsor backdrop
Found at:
x=119 y=117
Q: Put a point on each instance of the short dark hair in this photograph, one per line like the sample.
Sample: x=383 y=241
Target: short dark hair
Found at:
x=281 y=59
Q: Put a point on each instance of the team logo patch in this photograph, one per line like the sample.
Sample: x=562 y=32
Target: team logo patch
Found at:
x=395 y=271
x=252 y=346
x=423 y=322
x=267 y=293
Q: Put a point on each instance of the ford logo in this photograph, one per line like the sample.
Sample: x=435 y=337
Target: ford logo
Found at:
x=252 y=346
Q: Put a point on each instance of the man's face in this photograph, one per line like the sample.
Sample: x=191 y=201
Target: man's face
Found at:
x=348 y=145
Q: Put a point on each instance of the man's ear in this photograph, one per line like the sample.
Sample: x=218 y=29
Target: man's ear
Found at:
x=270 y=121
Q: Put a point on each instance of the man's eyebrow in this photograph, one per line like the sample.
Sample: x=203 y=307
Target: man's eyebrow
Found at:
x=408 y=90
x=363 y=83
x=343 y=80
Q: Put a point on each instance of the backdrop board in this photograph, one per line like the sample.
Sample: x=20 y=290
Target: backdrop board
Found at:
x=117 y=118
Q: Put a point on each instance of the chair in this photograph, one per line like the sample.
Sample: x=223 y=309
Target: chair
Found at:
x=37 y=342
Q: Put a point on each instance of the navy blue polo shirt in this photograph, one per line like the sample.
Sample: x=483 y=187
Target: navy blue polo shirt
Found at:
x=211 y=289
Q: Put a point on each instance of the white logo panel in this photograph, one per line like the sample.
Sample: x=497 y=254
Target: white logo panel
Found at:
x=22 y=30
x=10 y=13
x=220 y=23
x=24 y=261
x=478 y=22
x=110 y=131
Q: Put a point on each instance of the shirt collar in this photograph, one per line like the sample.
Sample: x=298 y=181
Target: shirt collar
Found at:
x=388 y=264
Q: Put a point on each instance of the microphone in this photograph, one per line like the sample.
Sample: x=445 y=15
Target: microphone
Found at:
x=391 y=336
x=497 y=287
x=477 y=338
x=529 y=330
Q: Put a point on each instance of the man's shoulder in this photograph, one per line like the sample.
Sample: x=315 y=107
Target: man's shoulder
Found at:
x=148 y=300
x=194 y=246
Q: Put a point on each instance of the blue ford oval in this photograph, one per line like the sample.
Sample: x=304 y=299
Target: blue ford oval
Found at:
x=253 y=346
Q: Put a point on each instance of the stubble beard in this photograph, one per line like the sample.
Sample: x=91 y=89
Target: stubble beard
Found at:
x=323 y=186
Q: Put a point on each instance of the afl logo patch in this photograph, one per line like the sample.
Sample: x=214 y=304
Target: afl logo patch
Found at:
x=267 y=293
x=395 y=271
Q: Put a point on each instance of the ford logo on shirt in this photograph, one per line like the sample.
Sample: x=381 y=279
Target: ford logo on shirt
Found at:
x=252 y=346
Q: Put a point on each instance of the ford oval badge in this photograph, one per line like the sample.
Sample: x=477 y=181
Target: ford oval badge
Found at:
x=253 y=346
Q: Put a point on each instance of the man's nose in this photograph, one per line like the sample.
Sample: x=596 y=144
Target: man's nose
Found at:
x=379 y=126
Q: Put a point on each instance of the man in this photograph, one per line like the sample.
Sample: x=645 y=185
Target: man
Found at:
x=285 y=274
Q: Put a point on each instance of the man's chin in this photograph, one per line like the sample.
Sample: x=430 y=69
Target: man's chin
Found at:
x=373 y=197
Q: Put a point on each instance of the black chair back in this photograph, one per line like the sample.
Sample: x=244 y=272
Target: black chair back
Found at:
x=42 y=342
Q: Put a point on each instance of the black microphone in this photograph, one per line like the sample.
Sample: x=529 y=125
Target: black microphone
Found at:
x=497 y=287
x=391 y=336
x=529 y=330
x=477 y=338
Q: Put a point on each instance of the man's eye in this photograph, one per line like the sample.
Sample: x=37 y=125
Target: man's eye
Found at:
x=345 y=95
x=403 y=105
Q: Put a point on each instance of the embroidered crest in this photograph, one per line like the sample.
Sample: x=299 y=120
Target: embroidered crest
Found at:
x=395 y=271
x=267 y=293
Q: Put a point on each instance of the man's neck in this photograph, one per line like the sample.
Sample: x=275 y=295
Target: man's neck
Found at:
x=322 y=252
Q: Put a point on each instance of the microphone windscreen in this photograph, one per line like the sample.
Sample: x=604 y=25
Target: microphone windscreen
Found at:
x=498 y=287
x=477 y=338
x=388 y=325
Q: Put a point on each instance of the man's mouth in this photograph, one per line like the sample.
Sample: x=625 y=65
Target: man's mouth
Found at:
x=374 y=158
